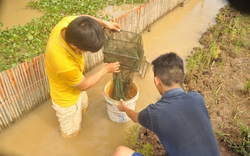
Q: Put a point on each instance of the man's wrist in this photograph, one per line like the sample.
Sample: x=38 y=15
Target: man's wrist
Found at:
x=104 y=23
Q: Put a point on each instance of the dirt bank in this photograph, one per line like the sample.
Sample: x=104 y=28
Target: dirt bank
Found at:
x=220 y=71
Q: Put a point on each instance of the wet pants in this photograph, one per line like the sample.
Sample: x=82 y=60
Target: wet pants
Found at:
x=70 y=118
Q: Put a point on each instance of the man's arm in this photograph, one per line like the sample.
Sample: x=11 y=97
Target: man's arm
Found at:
x=109 y=25
x=133 y=115
x=90 y=81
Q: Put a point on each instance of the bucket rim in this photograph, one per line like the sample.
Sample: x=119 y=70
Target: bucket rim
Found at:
x=116 y=101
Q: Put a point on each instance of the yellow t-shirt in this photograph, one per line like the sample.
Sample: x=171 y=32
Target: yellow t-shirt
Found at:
x=64 y=67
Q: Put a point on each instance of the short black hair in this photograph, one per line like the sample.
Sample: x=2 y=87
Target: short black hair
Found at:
x=169 y=68
x=85 y=33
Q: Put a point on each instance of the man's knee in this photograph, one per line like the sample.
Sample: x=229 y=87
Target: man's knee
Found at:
x=123 y=151
x=120 y=149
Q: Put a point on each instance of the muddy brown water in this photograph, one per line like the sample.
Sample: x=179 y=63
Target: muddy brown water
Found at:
x=15 y=12
x=38 y=133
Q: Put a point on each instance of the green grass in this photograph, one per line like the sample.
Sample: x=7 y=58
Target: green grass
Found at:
x=248 y=85
x=133 y=142
x=242 y=145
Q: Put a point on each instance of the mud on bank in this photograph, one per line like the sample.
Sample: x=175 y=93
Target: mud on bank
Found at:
x=220 y=71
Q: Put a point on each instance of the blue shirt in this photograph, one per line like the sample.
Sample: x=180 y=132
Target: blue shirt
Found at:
x=181 y=122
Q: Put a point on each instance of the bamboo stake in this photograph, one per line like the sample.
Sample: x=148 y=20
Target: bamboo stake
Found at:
x=6 y=112
x=97 y=57
x=39 y=83
x=4 y=118
x=1 y=123
x=23 y=87
x=42 y=78
x=19 y=90
x=44 y=75
x=28 y=84
x=33 y=84
x=135 y=21
x=85 y=63
x=128 y=21
x=38 y=74
x=7 y=105
x=13 y=91
x=92 y=59
x=18 y=96
x=89 y=60
x=10 y=94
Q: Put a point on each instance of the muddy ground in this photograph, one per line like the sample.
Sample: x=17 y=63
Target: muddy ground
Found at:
x=223 y=84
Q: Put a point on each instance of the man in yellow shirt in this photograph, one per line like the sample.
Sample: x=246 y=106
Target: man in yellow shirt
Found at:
x=68 y=41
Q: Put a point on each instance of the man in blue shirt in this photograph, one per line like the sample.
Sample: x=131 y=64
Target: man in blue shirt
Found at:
x=179 y=119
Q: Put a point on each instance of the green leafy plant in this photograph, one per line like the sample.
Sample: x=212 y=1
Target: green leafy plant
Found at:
x=248 y=85
x=240 y=145
x=146 y=149
x=131 y=136
x=133 y=143
x=243 y=145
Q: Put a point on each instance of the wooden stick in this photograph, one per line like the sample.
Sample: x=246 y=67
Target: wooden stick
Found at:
x=14 y=95
x=2 y=112
x=27 y=76
x=19 y=90
x=38 y=75
x=34 y=83
x=8 y=82
x=23 y=87
x=44 y=76
x=8 y=99
x=4 y=103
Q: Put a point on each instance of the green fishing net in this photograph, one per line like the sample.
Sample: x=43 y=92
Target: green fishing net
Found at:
x=127 y=48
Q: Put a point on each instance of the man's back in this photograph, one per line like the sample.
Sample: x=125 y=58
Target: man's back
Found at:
x=182 y=123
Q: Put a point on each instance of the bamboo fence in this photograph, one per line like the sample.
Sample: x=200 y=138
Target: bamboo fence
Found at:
x=25 y=87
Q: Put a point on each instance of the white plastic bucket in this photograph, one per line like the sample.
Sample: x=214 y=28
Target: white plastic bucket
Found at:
x=112 y=110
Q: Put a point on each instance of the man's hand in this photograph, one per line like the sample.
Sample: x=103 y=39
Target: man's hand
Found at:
x=131 y=113
x=112 y=26
x=122 y=106
x=113 y=67
x=88 y=82
x=109 y=25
